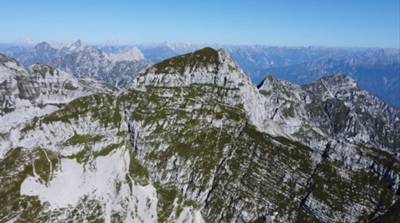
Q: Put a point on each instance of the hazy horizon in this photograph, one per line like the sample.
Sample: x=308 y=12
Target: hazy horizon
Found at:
x=57 y=44
x=363 y=24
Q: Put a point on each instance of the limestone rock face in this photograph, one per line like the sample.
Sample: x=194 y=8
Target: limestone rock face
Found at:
x=193 y=140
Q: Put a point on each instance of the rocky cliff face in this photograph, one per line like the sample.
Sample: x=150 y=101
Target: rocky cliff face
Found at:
x=85 y=61
x=193 y=140
x=333 y=107
x=38 y=91
x=352 y=131
x=347 y=153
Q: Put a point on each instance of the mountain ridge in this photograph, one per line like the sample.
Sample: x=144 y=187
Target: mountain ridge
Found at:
x=374 y=68
x=87 y=61
x=200 y=145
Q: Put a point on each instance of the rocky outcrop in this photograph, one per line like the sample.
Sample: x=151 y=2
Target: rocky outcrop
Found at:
x=40 y=90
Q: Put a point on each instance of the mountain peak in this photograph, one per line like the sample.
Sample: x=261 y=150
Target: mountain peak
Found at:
x=266 y=81
x=206 y=58
x=271 y=82
x=334 y=85
x=342 y=80
x=340 y=87
x=201 y=58
x=76 y=45
x=206 y=65
x=42 y=46
x=278 y=88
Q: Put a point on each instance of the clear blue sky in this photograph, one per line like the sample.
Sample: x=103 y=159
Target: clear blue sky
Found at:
x=362 y=23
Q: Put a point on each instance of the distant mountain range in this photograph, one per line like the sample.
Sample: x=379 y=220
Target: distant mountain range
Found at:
x=117 y=69
x=376 y=70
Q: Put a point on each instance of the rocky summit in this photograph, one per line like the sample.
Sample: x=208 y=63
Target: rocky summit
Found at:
x=192 y=139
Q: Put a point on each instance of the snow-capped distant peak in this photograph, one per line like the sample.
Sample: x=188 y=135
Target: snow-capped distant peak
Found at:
x=133 y=54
